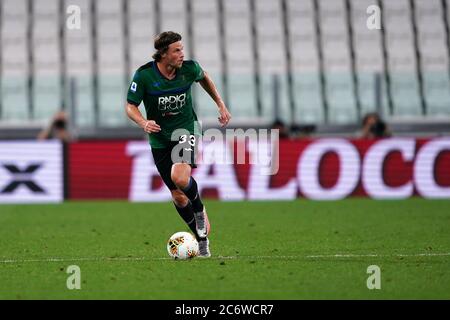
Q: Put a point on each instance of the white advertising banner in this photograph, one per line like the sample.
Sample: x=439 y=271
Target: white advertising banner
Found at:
x=31 y=172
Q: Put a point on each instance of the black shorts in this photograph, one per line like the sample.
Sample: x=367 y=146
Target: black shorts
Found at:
x=187 y=146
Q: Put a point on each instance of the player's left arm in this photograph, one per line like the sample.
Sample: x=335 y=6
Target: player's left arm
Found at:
x=209 y=86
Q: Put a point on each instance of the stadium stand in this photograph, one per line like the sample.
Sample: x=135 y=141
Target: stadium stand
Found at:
x=368 y=53
x=305 y=67
x=111 y=62
x=308 y=62
x=206 y=44
x=403 y=65
x=46 y=57
x=79 y=48
x=15 y=58
x=239 y=50
x=174 y=15
x=272 y=62
x=434 y=54
x=141 y=31
x=340 y=106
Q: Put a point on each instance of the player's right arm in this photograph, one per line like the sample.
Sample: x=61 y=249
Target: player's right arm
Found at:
x=134 y=114
x=134 y=99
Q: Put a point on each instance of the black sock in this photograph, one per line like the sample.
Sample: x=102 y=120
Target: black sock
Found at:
x=187 y=214
x=191 y=191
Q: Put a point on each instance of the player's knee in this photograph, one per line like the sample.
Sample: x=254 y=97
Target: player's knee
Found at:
x=179 y=198
x=180 y=176
x=179 y=181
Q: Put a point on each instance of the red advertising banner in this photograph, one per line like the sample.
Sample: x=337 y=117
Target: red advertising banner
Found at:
x=322 y=169
x=99 y=170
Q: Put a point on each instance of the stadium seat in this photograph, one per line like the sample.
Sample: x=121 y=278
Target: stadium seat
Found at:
x=275 y=105
x=240 y=70
x=405 y=92
x=15 y=98
x=337 y=62
x=305 y=62
x=308 y=98
x=437 y=93
x=47 y=96
x=142 y=31
x=434 y=56
x=110 y=38
x=173 y=15
x=84 y=105
x=207 y=51
x=401 y=58
x=272 y=64
x=78 y=42
x=368 y=55
x=46 y=59
x=14 y=64
x=112 y=83
x=242 y=97
x=79 y=65
x=303 y=37
x=112 y=100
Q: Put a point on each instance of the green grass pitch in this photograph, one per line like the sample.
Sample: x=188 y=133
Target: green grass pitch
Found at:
x=261 y=250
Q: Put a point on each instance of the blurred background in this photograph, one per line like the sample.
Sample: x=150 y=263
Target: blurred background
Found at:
x=313 y=64
x=312 y=68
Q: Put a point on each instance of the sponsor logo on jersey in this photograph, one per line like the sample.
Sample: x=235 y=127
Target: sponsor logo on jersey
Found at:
x=171 y=105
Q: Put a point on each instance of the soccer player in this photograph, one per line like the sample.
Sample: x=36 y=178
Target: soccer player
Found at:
x=165 y=87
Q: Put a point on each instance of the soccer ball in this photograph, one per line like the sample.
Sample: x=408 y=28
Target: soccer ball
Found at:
x=182 y=245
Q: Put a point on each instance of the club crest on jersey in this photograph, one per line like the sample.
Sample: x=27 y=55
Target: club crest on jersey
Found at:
x=169 y=104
